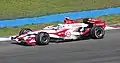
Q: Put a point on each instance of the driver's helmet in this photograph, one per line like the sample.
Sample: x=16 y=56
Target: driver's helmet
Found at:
x=67 y=18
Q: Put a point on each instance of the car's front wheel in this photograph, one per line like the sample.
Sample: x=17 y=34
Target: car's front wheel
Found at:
x=24 y=31
x=42 y=38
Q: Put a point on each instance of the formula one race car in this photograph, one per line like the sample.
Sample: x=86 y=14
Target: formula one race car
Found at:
x=93 y=28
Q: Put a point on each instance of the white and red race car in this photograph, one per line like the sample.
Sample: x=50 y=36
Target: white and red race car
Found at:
x=93 y=28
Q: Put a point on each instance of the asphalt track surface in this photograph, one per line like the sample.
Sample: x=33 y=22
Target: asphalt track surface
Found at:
x=105 y=50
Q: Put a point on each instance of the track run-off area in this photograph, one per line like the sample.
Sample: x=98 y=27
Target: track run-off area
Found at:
x=106 y=50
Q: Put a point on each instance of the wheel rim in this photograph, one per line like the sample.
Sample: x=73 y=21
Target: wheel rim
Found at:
x=45 y=39
x=99 y=33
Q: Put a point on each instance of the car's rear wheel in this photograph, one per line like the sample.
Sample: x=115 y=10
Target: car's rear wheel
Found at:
x=24 y=31
x=42 y=38
x=97 y=32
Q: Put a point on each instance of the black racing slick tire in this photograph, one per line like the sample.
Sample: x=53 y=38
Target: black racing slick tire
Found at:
x=24 y=31
x=42 y=38
x=97 y=32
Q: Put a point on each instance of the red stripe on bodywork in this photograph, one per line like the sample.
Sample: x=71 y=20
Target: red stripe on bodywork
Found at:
x=86 y=31
x=28 y=41
x=61 y=33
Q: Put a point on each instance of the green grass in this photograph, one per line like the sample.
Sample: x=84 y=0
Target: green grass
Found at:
x=11 y=9
x=15 y=30
x=110 y=19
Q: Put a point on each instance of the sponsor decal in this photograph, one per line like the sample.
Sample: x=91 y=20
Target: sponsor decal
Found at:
x=68 y=34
